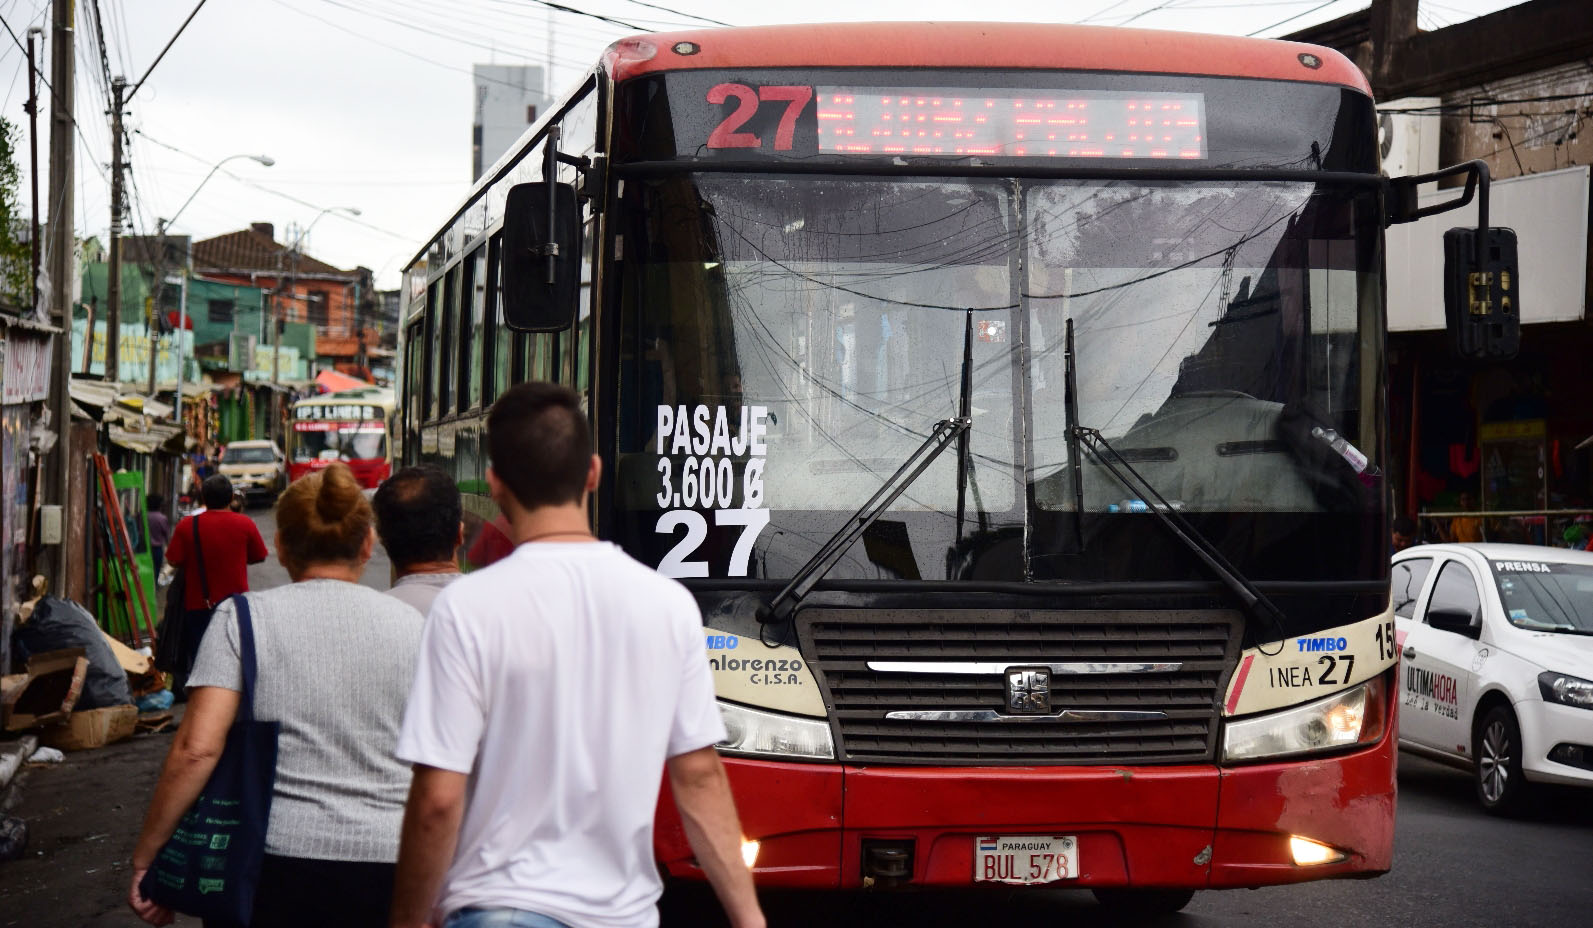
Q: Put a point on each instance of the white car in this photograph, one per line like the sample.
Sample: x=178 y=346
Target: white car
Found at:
x=1496 y=674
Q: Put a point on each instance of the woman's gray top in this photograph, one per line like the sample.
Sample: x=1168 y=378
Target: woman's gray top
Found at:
x=335 y=664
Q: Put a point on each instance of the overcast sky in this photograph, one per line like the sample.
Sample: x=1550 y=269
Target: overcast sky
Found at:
x=367 y=103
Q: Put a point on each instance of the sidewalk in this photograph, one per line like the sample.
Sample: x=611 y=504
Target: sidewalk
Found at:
x=83 y=816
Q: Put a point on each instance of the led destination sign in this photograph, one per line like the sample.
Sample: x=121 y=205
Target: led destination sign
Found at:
x=955 y=121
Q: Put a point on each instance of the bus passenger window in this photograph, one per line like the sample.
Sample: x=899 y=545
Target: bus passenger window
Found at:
x=502 y=336
x=445 y=344
x=432 y=379
x=471 y=307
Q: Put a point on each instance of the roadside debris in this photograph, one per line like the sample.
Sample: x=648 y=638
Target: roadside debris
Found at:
x=46 y=756
x=13 y=837
x=80 y=688
x=57 y=623
x=45 y=692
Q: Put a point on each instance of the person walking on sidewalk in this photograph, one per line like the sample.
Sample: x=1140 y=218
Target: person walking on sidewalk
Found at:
x=532 y=802
x=159 y=530
x=418 y=520
x=214 y=548
x=335 y=662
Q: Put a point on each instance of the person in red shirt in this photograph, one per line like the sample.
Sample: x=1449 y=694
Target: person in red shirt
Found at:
x=228 y=543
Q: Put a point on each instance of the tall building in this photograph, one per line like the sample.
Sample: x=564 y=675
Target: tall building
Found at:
x=508 y=98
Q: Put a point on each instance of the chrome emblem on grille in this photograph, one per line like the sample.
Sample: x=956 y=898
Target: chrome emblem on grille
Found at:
x=1028 y=690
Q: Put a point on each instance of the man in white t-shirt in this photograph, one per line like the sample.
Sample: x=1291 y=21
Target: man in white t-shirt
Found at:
x=553 y=689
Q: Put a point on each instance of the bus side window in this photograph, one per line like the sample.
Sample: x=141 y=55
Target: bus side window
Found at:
x=583 y=316
x=499 y=336
x=430 y=361
x=415 y=381
x=445 y=343
x=471 y=304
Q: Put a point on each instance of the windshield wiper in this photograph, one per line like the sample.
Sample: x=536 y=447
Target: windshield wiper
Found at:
x=785 y=602
x=946 y=431
x=1255 y=602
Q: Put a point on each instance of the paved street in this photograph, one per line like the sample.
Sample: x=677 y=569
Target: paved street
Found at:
x=1453 y=866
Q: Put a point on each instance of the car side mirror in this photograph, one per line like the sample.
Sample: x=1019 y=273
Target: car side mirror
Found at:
x=1458 y=621
x=541 y=257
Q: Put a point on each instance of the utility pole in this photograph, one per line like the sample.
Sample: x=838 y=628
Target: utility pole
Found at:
x=151 y=318
x=113 y=288
x=62 y=56
x=276 y=349
x=33 y=168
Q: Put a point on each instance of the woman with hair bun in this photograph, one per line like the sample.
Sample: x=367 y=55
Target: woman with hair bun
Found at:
x=335 y=663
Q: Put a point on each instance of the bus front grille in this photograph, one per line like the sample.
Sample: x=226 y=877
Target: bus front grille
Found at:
x=930 y=686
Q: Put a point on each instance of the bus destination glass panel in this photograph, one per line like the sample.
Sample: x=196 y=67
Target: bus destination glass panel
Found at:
x=959 y=122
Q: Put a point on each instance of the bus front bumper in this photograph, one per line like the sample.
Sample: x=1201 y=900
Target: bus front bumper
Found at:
x=1193 y=827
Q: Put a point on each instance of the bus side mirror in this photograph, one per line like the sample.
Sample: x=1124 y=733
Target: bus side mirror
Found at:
x=1482 y=310
x=541 y=258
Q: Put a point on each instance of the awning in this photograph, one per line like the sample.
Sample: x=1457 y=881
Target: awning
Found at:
x=149 y=407
x=167 y=439
x=331 y=381
x=93 y=393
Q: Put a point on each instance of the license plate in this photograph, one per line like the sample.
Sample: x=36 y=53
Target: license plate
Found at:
x=1026 y=859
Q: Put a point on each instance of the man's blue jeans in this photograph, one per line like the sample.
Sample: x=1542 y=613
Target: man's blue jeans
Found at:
x=500 y=918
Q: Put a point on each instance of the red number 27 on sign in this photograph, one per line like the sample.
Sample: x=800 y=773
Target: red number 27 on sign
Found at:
x=747 y=99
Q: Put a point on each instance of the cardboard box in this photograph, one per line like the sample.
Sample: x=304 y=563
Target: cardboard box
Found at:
x=92 y=728
x=45 y=692
x=142 y=677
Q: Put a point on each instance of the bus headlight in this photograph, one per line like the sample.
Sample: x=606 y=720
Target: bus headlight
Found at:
x=772 y=734
x=1341 y=720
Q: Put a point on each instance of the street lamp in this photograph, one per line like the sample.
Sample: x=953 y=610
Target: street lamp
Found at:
x=299 y=239
x=160 y=283
x=264 y=160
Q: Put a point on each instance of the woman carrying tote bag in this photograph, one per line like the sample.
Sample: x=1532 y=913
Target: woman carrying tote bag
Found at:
x=335 y=661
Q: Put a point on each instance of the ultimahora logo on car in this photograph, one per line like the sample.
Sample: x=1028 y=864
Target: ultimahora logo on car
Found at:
x=1432 y=692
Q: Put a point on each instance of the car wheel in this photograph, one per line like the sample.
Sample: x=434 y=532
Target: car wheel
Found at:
x=1143 y=903
x=1501 y=787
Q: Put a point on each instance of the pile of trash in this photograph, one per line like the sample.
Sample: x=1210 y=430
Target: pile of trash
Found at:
x=78 y=688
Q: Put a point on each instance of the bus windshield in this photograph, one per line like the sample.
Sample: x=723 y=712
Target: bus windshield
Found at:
x=798 y=337
x=339 y=441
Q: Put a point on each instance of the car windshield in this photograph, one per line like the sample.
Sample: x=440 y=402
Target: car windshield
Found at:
x=1546 y=597
x=789 y=341
x=248 y=456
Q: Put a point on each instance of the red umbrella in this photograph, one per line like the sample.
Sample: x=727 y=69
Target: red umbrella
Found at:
x=172 y=316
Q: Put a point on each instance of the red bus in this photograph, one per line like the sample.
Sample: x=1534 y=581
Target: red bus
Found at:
x=1011 y=398
x=349 y=426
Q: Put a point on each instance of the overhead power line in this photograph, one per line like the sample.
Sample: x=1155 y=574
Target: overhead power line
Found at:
x=172 y=41
x=276 y=193
x=598 y=16
x=665 y=9
x=1439 y=109
x=23 y=49
x=395 y=48
x=1282 y=22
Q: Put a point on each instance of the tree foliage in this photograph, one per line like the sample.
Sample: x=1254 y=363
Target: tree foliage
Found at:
x=14 y=221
